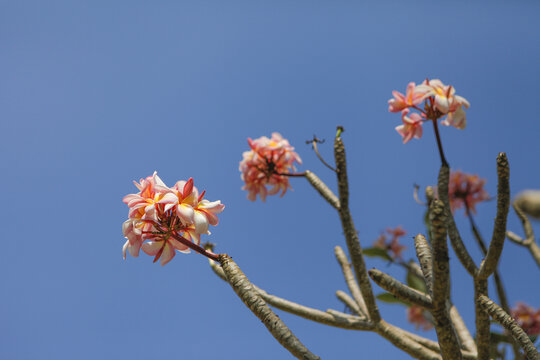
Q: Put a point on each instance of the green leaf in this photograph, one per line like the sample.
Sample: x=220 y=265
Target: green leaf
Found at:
x=377 y=252
x=415 y=282
x=391 y=299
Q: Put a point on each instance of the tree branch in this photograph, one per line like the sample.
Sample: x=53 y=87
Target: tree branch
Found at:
x=322 y=189
x=446 y=334
x=509 y=324
x=499 y=230
x=245 y=291
x=351 y=236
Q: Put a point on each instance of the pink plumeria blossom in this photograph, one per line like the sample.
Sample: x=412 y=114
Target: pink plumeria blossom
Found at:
x=417 y=315
x=466 y=190
x=412 y=126
x=162 y=219
x=440 y=102
x=448 y=103
x=265 y=167
x=390 y=242
x=527 y=318
x=413 y=96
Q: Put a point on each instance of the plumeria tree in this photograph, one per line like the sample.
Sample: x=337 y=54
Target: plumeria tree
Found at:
x=163 y=220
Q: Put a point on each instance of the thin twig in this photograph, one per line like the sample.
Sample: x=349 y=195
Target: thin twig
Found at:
x=415 y=195
x=528 y=242
x=509 y=324
x=314 y=142
x=244 y=289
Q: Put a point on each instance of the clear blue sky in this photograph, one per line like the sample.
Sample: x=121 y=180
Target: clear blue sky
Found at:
x=96 y=94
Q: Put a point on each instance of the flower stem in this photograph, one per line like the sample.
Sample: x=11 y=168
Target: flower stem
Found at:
x=196 y=247
x=439 y=143
x=291 y=174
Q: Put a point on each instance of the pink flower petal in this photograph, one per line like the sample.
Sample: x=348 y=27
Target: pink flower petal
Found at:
x=201 y=222
x=186 y=213
x=168 y=254
x=152 y=247
x=188 y=187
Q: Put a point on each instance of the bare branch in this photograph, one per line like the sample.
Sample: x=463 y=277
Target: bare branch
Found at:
x=423 y=253
x=400 y=290
x=509 y=324
x=499 y=230
x=529 y=234
x=349 y=279
x=245 y=291
x=482 y=320
x=342 y=320
x=349 y=302
x=446 y=334
x=405 y=343
x=351 y=236
x=461 y=252
x=322 y=189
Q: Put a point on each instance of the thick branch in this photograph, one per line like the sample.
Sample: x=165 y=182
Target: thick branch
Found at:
x=461 y=252
x=405 y=343
x=509 y=324
x=501 y=293
x=351 y=236
x=322 y=189
x=463 y=333
x=245 y=291
x=433 y=345
x=482 y=320
x=349 y=279
x=499 y=230
x=340 y=320
x=400 y=290
x=423 y=253
x=446 y=334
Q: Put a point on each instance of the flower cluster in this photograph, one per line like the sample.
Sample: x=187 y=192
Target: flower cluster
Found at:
x=391 y=243
x=466 y=190
x=266 y=166
x=440 y=100
x=527 y=318
x=163 y=220
x=417 y=315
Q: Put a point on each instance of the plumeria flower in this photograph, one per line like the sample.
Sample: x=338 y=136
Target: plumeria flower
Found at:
x=412 y=126
x=466 y=190
x=265 y=167
x=447 y=102
x=527 y=318
x=440 y=101
x=163 y=220
x=416 y=315
x=390 y=242
x=413 y=96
